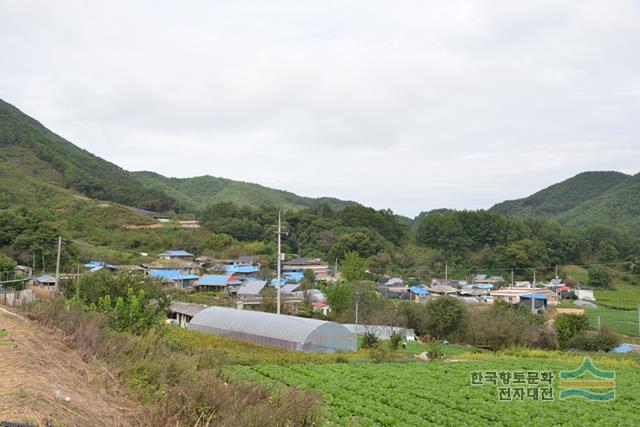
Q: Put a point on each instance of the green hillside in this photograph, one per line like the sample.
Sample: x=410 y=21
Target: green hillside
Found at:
x=562 y=197
x=590 y=198
x=33 y=154
x=199 y=192
x=31 y=151
x=619 y=207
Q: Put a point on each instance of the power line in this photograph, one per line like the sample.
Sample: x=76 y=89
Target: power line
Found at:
x=472 y=270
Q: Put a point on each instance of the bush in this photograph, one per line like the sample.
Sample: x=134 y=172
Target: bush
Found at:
x=395 y=340
x=504 y=325
x=434 y=351
x=369 y=340
x=569 y=325
x=602 y=340
x=381 y=354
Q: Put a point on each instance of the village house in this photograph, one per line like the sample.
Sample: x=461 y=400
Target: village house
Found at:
x=242 y=271
x=538 y=301
x=438 y=281
x=443 y=290
x=218 y=282
x=512 y=295
x=176 y=254
x=46 y=281
x=174 y=278
x=394 y=292
x=298 y=265
x=247 y=260
x=488 y=280
x=419 y=294
x=185 y=267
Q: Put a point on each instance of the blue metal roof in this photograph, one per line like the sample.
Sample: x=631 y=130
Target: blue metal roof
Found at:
x=242 y=269
x=537 y=296
x=418 y=290
x=45 y=278
x=172 y=275
x=93 y=264
x=217 y=280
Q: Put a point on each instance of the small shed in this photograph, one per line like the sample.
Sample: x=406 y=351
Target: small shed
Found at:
x=46 y=280
x=288 y=332
x=183 y=312
x=539 y=301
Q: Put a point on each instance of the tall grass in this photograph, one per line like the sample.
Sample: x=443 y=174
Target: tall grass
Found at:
x=179 y=387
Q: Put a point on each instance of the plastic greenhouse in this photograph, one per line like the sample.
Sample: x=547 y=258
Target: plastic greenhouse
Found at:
x=289 y=332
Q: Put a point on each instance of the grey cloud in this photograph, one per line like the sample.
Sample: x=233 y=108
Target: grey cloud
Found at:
x=412 y=105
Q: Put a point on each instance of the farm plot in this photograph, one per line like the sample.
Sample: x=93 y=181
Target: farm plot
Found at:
x=441 y=394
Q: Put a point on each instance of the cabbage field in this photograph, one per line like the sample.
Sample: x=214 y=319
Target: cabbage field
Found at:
x=416 y=394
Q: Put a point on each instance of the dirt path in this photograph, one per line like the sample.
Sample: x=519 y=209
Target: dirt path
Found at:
x=44 y=382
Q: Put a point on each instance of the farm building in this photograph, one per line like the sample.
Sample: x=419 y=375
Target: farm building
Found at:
x=183 y=312
x=298 y=265
x=288 y=332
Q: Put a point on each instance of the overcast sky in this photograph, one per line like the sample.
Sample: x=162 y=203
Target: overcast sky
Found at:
x=408 y=105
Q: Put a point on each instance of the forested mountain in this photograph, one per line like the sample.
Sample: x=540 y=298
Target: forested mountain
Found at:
x=587 y=199
x=562 y=197
x=31 y=154
x=619 y=207
x=199 y=192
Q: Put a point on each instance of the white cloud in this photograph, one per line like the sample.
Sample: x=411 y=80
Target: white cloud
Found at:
x=411 y=105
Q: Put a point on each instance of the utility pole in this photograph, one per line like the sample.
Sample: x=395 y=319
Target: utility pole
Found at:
x=533 y=299
x=357 y=298
x=446 y=271
x=58 y=264
x=512 y=277
x=556 y=271
x=279 y=258
x=78 y=283
x=639 y=320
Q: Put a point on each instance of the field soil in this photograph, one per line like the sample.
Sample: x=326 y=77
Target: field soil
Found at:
x=44 y=382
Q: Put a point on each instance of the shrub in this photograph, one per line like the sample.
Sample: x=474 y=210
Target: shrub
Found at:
x=369 y=340
x=569 y=325
x=395 y=340
x=381 y=354
x=434 y=351
x=602 y=340
x=504 y=325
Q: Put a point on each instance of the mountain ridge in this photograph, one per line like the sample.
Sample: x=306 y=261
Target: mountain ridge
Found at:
x=29 y=150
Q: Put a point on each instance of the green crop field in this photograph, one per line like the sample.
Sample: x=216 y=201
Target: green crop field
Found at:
x=621 y=321
x=623 y=296
x=434 y=393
